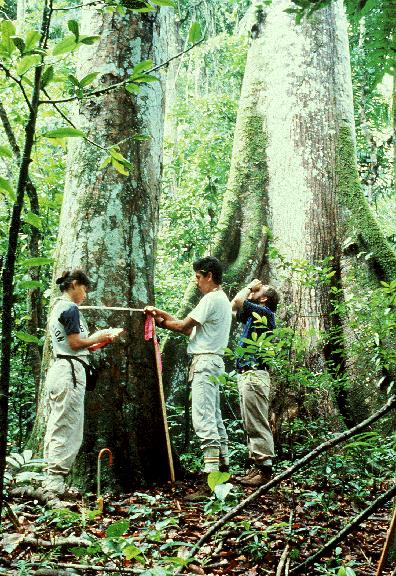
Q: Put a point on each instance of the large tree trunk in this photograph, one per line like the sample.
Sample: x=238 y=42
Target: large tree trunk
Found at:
x=294 y=170
x=108 y=227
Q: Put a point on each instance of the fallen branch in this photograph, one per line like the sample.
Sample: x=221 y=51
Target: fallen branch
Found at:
x=52 y=571
x=339 y=537
x=282 y=560
x=324 y=447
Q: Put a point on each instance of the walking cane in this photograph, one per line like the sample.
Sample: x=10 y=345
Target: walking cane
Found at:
x=99 y=498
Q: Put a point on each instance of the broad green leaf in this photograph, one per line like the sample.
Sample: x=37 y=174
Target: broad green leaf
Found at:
x=27 y=62
x=105 y=162
x=118 y=156
x=38 y=261
x=194 y=34
x=141 y=66
x=25 y=337
x=33 y=220
x=7 y=30
x=27 y=455
x=165 y=3
x=119 y=167
x=89 y=39
x=73 y=80
x=32 y=39
x=78 y=551
x=216 y=477
x=6 y=187
x=19 y=43
x=222 y=490
x=5 y=152
x=68 y=44
x=64 y=133
x=145 y=78
x=73 y=27
x=145 y=7
x=29 y=284
x=88 y=79
x=47 y=76
x=141 y=137
x=131 y=551
x=117 y=529
x=133 y=88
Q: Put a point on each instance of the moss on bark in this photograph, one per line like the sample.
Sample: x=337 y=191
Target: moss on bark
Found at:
x=361 y=225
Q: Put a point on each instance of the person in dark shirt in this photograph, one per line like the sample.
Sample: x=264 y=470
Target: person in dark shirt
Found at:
x=253 y=377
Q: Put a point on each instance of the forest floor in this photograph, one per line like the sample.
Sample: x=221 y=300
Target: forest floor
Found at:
x=150 y=532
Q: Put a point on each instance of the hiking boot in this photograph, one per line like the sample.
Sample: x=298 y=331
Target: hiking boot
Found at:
x=249 y=473
x=202 y=491
x=72 y=493
x=261 y=476
x=224 y=467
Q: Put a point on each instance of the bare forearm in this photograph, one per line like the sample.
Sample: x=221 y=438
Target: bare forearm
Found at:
x=175 y=325
x=240 y=298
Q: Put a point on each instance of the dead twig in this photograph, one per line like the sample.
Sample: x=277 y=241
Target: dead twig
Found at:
x=64 y=567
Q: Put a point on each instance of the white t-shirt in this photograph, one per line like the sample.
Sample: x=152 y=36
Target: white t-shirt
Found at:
x=214 y=315
x=66 y=319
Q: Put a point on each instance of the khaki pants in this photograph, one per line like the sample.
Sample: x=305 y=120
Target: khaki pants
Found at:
x=64 y=433
x=254 y=387
x=206 y=413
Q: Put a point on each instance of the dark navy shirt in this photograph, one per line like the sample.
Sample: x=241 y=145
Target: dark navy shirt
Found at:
x=245 y=315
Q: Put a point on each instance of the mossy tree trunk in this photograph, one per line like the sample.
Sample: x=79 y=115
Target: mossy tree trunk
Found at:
x=108 y=227
x=293 y=181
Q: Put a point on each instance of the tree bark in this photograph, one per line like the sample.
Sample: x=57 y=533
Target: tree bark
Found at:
x=293 y=183
x=108 y=227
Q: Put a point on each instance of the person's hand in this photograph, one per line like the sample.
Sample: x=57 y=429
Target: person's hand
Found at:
x=254 y=285
x=150 y=310
x=106 y=338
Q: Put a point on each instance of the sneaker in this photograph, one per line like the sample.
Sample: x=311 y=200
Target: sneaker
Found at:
x=261 y=476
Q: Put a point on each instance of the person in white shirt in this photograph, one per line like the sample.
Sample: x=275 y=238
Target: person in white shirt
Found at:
x=208 y=326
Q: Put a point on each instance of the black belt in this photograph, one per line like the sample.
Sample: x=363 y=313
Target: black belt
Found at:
x=69 y=358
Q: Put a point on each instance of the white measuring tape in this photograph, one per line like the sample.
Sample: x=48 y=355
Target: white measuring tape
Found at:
x=111 y=308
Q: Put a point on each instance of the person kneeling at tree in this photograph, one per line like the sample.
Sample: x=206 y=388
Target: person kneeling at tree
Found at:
x=254 y=380
x=66 y=379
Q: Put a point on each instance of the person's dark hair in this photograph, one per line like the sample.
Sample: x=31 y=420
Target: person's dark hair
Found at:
x=272 y=297
x=65 y=281
x=209 y=264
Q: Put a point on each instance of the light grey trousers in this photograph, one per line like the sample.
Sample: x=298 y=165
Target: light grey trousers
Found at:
x=206 y=413
x=254 y=387
x=64 y=432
